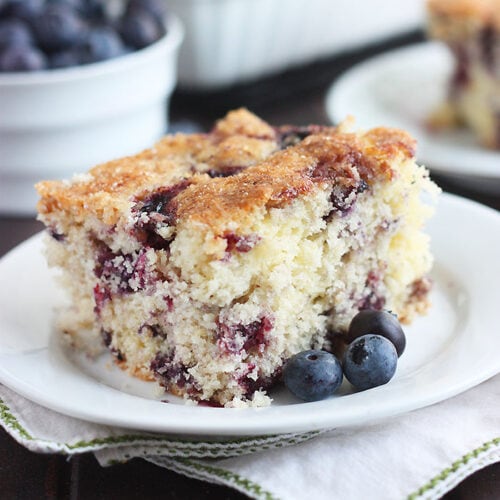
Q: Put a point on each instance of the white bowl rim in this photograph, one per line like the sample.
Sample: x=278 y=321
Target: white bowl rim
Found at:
x=170 y=41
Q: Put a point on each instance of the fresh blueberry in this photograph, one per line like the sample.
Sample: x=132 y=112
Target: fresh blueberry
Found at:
x=59 y=27
x=102 y=44
x=313 y=375
x=140 y=30
x=66 y=58
x=72 y=3
x=78 y=5
x=14 y=32
x=370 y=361
x=94 y=10
x=22 y=58
x=156 y=8
x=21 y=9
x=380 y=323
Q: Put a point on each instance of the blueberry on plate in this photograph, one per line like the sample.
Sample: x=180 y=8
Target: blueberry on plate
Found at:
x=380 y=323
x=22 y=58
x=14 y=32
x=101 y=44
x=313 y=375
x=140 y=29
x=370 y=361
x=59 y=27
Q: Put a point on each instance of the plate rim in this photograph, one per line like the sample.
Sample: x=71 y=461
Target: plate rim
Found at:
x=316 y=414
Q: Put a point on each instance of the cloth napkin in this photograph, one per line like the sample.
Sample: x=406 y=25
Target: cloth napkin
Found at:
x=418 y=455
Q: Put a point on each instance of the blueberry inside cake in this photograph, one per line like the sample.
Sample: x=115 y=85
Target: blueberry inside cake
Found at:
x=207 y=261
x=471 y=29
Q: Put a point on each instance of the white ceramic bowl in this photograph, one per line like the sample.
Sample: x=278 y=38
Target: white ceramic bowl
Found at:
x=235 y=41
x=56 y=123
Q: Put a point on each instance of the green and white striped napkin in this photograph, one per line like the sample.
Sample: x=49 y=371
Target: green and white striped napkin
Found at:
x=419 y=455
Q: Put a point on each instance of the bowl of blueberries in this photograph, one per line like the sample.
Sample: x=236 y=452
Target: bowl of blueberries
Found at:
x=81 y=82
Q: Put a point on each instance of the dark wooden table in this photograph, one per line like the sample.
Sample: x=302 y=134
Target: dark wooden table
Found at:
x=294 y=97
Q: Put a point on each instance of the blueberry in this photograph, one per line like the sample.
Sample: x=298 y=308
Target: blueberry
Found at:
x=14 y=32
x=101 y=44
x=59 y=27
x=380 y=323
x=313 y=375
x=21 y=9
x=74 y=4
x=156 y=8
x=22 y=58
x=291 y=136
x=66 y=58
x=370 y=361
x=140 y=30
x=94 y=10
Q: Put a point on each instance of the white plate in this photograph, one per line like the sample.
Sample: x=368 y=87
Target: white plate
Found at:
x=453 y=348
x=400 y=89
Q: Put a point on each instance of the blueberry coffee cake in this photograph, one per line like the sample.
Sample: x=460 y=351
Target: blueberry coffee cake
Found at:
x=207 y=261
x=471 y=29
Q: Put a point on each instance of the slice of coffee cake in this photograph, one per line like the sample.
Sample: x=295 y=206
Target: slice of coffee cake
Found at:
x=471 y=29
x=208 y=260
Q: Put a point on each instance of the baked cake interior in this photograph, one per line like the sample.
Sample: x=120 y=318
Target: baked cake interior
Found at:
x=207 y=261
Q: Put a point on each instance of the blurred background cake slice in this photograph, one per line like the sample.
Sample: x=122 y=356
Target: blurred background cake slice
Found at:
x=471 y=29
x=208 y=260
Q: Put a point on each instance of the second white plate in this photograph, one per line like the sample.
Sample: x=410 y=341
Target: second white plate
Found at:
x=400 y=89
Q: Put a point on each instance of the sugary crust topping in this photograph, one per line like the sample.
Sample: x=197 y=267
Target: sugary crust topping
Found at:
x=328 y=157
x=483 y=9
x=470 y=14
x=109 y=189
x=242 y=122
x=240 y=143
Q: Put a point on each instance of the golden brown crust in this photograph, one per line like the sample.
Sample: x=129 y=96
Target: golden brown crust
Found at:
x=242 y=122
x=109 y=189
x=269 y=177
x=464 y=8
x=328 y=156
x=469 y=14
